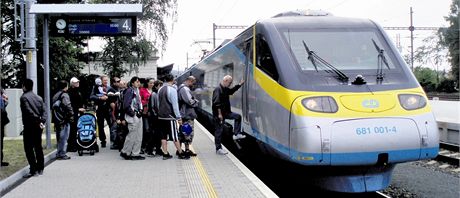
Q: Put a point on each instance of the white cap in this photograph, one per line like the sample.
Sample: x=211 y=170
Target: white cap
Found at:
x=74 y=80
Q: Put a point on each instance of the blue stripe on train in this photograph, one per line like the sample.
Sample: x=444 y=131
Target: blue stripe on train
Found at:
x=346 y=159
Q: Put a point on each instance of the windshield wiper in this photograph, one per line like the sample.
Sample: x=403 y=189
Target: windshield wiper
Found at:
x=381 y=59
x=312 y=56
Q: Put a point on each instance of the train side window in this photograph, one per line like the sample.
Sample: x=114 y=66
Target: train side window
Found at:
x=248 y=51
x=264 y=59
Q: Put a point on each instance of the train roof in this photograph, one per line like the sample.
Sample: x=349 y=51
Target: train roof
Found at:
x=315 y=22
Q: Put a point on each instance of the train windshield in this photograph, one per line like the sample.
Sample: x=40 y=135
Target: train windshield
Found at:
x=346 y=49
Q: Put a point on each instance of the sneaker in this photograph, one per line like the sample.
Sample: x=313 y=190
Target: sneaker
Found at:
x=221 y=152
x=137 y=157
x=150 y=154
x=167 y=156
x=113 y=147
x=238 y=136
x=5 y=164
x=65 y=157
x=159 y=153
x=125 y=156
x=103 y=144
x=183 y=155
x=177 y=152
x=40 y=172
x=29 y=175
x=190 y=153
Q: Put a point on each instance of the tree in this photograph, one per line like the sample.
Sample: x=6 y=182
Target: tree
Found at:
x=136 y=50
x=13 y=60
x=450 y=38
x=432 y=53
x=64 y=58
x=426 y=77
x=63 y=53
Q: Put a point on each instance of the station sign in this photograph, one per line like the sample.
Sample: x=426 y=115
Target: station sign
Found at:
x=93 y=26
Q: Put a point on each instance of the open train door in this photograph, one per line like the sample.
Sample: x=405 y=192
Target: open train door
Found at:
x=247 y=79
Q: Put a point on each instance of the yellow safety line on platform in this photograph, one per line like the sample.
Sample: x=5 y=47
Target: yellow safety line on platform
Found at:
x=204 y=178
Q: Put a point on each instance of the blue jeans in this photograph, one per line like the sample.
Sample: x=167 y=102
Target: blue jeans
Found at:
x=62 y=134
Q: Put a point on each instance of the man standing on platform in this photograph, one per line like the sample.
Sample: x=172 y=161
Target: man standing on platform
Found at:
x=77 y=106
x=132 y=106
x=4 y=121
x=187 y=104
x=62 y=125
x=33 y=118
x=103 y=109
x=169 y=116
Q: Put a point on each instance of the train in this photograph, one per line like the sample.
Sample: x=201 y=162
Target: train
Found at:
x=327 y=92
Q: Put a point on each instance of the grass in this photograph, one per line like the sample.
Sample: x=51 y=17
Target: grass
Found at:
x=13 y=151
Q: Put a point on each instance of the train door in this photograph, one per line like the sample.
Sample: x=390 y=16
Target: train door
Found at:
x=248 y=63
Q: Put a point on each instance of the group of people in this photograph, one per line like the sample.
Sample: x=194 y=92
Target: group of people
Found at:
x=141 y=119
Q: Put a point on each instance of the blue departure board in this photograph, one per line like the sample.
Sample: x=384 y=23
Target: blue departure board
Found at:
x=93 y=26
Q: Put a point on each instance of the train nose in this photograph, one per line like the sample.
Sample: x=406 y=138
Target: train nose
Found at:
x=374 y=141
x=368 y=103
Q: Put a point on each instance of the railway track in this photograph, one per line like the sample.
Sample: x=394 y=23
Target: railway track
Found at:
x=446 y=97
x=381 y=194
x=449 y=153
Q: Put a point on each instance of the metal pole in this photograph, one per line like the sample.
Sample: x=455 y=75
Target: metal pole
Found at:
x=213 y=36
x=31 y=45
x=46 y=63
x=411 y=28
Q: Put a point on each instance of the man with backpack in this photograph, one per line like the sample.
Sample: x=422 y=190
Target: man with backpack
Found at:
x=187 y=104
x=62 y=117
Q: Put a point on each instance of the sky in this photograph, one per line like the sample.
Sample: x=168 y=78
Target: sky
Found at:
x=192 y=31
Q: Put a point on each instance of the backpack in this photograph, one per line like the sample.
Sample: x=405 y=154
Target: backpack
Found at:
x=152 y=107
x=59 y=111
x=119 y=111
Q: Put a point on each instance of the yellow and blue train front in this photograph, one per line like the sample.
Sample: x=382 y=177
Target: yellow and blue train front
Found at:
x=362 y=129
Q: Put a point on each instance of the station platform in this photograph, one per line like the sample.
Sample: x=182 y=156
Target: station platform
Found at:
x=106 y=174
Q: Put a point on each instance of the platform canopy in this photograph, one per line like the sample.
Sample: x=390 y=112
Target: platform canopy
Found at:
x=88 y=9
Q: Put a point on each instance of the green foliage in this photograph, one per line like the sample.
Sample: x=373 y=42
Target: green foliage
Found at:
x=63 y=59
x=63 y=53
x=431 y=53
x=134 y=52
x=426 y=77
x=446 y=85
x=13 y=60
x=432 y=80
x=450 y=38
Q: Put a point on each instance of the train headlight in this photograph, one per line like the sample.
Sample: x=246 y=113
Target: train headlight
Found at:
x=324 y=104
x=412 y=101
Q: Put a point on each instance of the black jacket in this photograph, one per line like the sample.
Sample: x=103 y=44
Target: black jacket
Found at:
x=221 y=99
x=76 y=100
x=32 y=108
x=129 y=106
